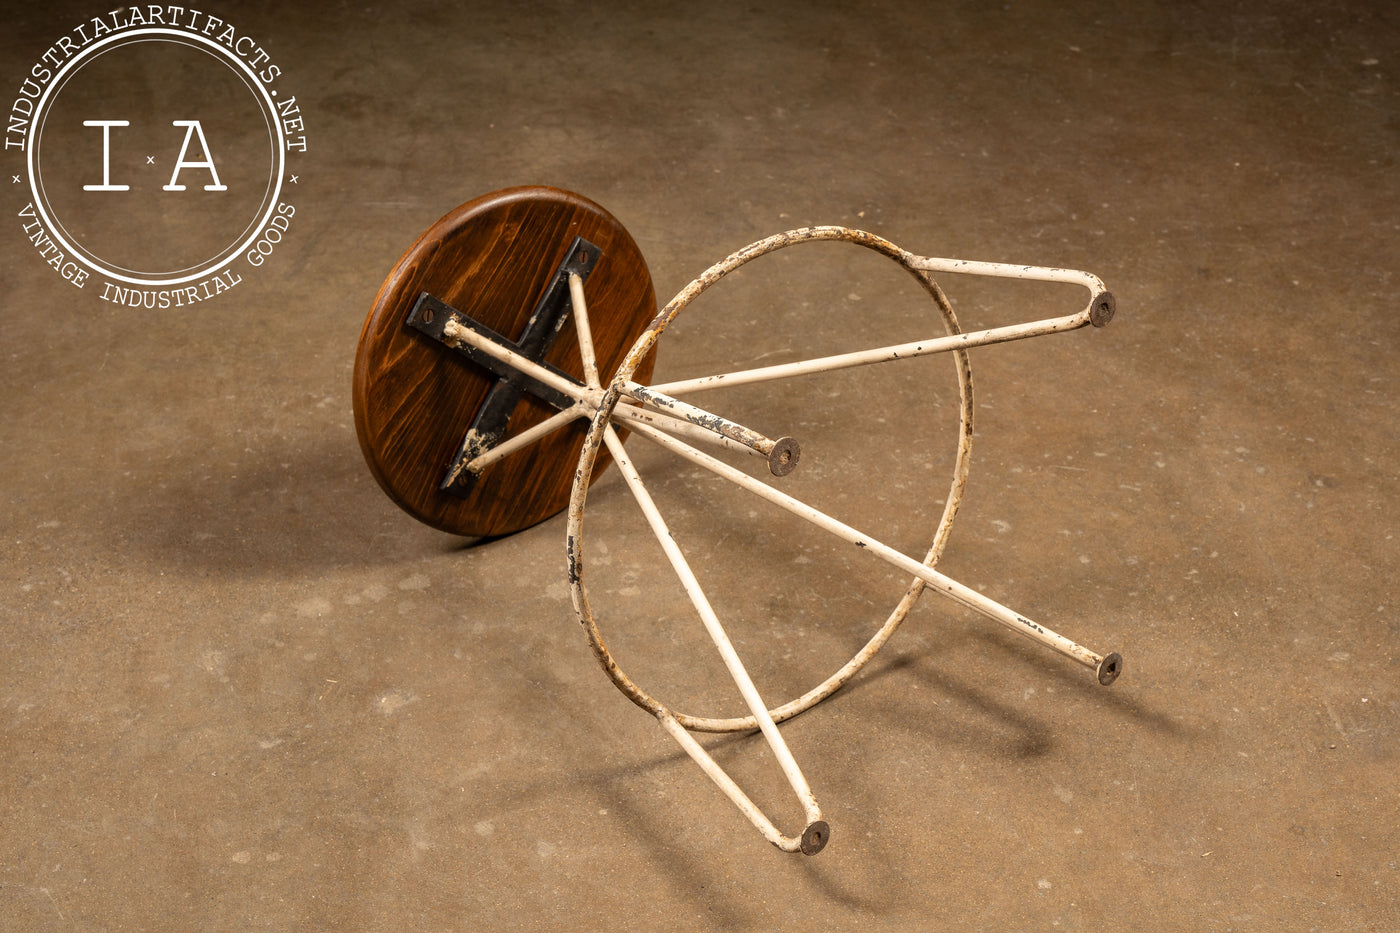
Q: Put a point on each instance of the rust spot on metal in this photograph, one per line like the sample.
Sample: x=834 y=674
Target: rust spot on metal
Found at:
x=1101 y=308
x=1110 y=667
x=815 y=838
x=782 y=459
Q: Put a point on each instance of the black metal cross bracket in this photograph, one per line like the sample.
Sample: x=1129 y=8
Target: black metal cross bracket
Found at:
x=430 y=316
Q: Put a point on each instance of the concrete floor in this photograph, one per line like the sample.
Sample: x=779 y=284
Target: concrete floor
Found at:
x=241 y=690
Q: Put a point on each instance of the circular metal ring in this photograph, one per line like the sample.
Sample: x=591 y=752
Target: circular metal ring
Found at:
x=641 y=351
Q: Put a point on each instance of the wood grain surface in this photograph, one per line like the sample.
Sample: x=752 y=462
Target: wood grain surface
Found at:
x=414 y=398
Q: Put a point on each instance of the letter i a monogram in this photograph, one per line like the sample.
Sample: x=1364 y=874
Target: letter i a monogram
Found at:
x=192 y=129
x=207 y=197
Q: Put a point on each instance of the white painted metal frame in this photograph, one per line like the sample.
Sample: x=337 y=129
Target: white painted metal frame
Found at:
x=655 y=413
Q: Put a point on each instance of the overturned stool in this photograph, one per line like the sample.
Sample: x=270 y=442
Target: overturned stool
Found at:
x=508 y=356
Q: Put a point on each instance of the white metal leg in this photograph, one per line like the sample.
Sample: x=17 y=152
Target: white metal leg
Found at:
x=1107 y=664
x=904 y=351
x=736 y=669
x=585 y=331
